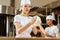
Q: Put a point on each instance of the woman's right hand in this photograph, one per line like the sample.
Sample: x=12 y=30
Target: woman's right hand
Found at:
x=33 y=20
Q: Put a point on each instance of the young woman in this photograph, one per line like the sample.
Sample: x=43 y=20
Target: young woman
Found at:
x=23 y=22
x=52 y=30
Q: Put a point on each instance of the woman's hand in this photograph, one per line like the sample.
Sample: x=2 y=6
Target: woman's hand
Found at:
x=33 y=20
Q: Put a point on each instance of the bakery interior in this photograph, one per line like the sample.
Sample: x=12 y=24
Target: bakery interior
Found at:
x=42 y=8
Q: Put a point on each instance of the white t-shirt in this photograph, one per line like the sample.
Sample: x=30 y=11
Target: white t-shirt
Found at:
x=53 y=30
x=23 y=20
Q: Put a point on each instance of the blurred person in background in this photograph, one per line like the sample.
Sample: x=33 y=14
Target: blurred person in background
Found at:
x=52 y=30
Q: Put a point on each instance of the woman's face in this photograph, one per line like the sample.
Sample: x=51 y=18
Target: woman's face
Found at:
x=26 y=8
x=48 y=21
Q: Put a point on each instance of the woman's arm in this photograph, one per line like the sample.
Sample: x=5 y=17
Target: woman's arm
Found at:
x=20 y=29
x=42 y=30
x=34 y=29
x=49 y=35
x=44 y=33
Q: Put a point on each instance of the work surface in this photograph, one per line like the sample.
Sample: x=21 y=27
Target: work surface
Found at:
x=40 y=38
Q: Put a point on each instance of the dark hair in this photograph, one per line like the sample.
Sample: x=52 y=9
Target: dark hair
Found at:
x=54 y=22
x=18 y=12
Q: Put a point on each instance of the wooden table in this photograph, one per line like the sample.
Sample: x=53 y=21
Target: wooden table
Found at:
x=40 y=38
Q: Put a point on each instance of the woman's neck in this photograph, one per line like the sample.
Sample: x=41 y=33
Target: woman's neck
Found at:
x=24 y=14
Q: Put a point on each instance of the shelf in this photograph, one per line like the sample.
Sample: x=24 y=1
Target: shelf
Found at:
x=3 y=14
x=37 y=15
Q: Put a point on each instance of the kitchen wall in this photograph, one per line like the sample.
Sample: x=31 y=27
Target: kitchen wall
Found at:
x=38 y=3
x=5 y=2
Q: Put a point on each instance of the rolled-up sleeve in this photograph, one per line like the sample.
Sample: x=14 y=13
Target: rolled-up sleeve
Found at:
x=16 y=19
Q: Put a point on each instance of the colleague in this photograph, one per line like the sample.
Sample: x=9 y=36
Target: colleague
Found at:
x=24 y=24
x=52 y=30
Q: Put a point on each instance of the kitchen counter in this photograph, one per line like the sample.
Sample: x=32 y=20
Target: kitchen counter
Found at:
x=40 y=38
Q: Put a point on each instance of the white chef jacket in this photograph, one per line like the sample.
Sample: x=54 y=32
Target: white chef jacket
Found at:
x=53 y=30
x=23 y=20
